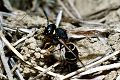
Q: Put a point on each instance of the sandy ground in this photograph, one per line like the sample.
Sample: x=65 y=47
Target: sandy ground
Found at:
x=89 y=48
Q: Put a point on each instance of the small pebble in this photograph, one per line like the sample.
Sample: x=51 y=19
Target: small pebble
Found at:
x=41 y=56
x=25 y=58
x=43 y=51
x=111 y=76
x=37 y=49
x=33 y=62
x=32 y=71
x=30 y=40
x=32 y=45
x=45 y=67
x=28 y=55
x=37 y=55
x=41 y=63
x=26 y=70
x=31 y=51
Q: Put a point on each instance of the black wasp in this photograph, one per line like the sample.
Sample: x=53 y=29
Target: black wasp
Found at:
x=59 y=36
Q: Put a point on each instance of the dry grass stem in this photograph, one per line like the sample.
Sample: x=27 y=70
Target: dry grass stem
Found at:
x=66 y=10
x=21 y=57
x=10 y=46
x=46 y=70
x=1 y=75
x=5 y=62
x=91 y=65
x=99 y=68
x=22 y=39
x=74 y=8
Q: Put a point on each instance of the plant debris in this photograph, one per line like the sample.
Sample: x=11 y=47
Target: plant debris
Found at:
x=93 y=32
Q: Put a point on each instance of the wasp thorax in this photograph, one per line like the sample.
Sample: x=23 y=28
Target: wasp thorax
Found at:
x=61 y=34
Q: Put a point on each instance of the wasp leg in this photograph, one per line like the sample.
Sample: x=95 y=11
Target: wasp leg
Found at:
x=49 y=57
x=51 y=48
x=46 y=45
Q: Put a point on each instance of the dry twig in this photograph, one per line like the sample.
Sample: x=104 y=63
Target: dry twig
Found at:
x=48 y=69
x=24 y=38
x=118 y=77
x=2 y=54
x=4 y=61
x=21 y=57
x=15 y=69
x=10 y=46
x=99 y=68
x=64 y=7
x=74 y=8
x=91 y=65
x=1 y=75
x=8 y=5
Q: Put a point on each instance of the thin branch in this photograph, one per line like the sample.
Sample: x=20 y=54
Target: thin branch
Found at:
x=7 y=14
x=74 y=8
x=48 y=69
x=8 y=29
x=15 y=69
x=22 y=39
x=1 y=75
x=49 y=72
x=91 y=65
x=5 y=63
x=99 y=68
x=64 y=7
x=118 y=77
x=20 y=29
x=21 y=57
x=8 y=5
x=35 y=5
x=10 y=46
x=2 y=54
x=1 y=21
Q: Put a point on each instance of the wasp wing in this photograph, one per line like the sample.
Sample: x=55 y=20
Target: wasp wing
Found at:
x=79 y=33
x=58 y=19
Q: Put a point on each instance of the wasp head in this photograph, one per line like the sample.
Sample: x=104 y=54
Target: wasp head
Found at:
x=49 y=30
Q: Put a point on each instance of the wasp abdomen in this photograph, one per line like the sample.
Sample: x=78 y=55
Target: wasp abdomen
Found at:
x=70 y=57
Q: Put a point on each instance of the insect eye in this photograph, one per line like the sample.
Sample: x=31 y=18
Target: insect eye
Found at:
x=49 y=30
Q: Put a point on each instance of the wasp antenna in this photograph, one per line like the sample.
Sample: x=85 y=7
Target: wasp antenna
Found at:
x=46 y=15
x=58 y=19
